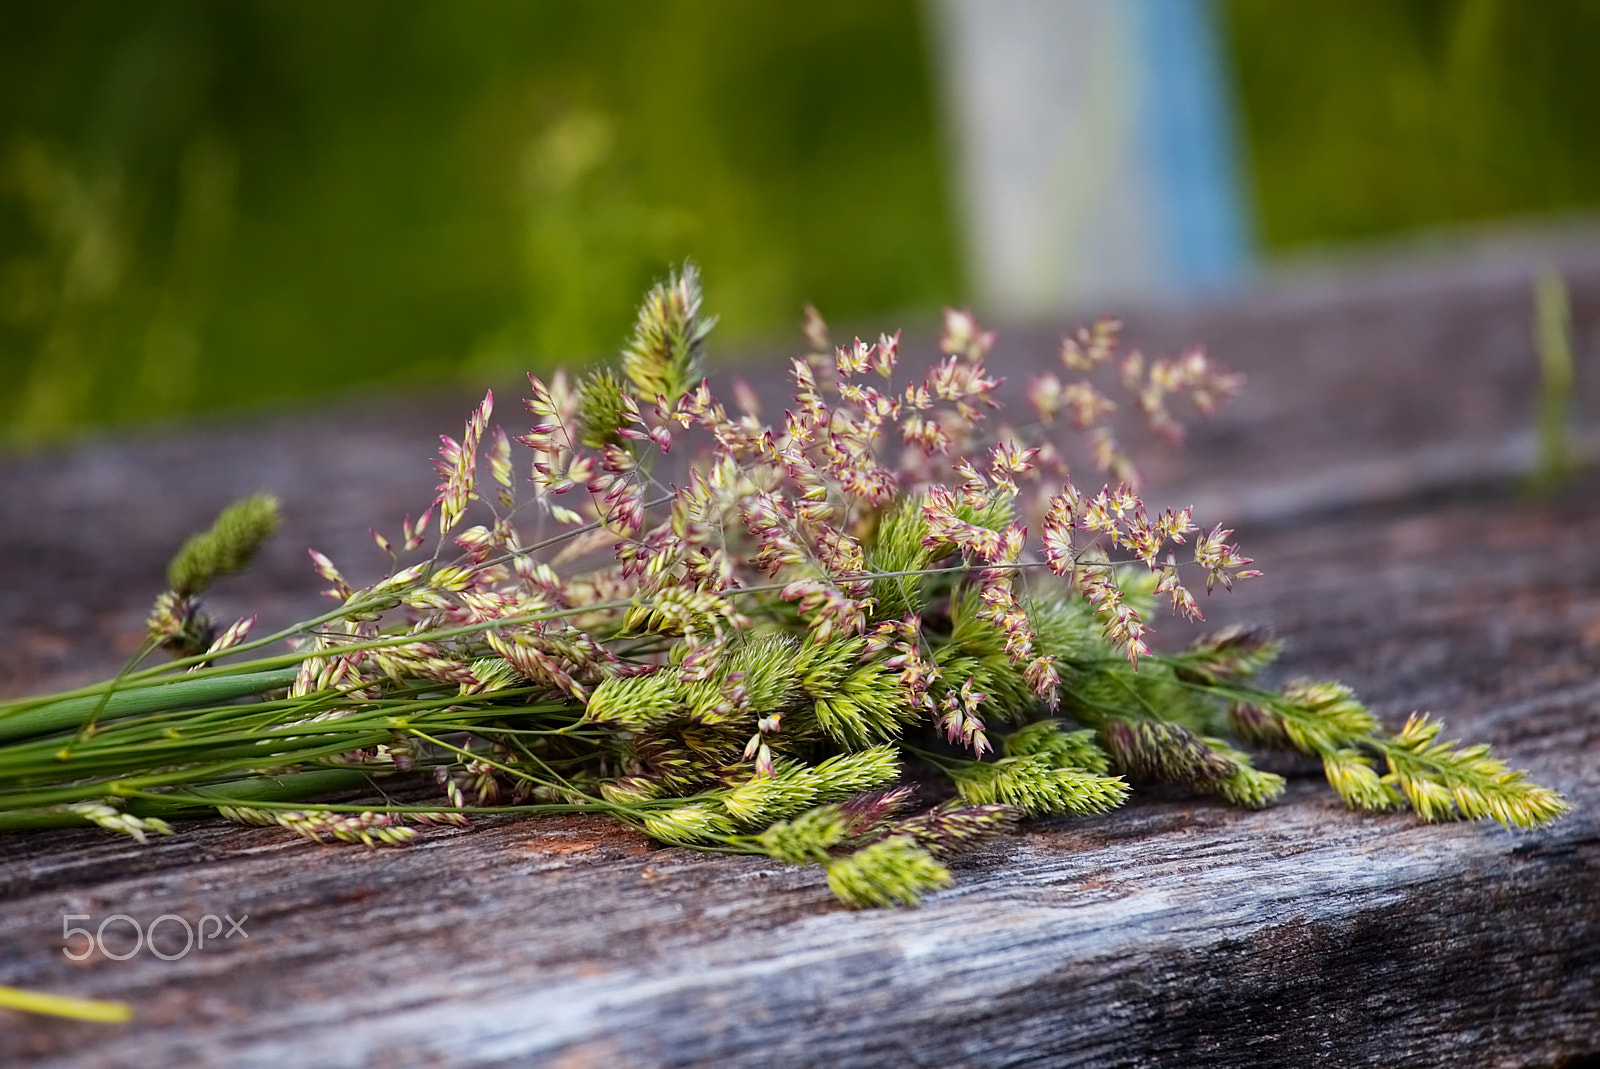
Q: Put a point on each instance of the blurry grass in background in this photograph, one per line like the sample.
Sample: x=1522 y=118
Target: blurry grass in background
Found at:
x=206 y=205
x=1367 y=117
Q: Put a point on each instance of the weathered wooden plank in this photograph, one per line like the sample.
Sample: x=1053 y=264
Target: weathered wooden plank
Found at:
x=1173 y=931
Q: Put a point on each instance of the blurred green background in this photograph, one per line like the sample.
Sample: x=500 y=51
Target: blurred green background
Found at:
x=207 y=205
x=1366 y=117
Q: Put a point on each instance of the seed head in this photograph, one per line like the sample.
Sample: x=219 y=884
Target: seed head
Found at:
x=226 y=548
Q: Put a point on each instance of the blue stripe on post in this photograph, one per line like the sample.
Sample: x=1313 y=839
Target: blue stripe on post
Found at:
x=1187 y=123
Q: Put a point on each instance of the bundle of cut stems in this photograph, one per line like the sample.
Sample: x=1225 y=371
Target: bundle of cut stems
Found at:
x=752 y=661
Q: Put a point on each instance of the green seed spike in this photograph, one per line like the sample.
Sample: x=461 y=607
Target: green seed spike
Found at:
x=806 y=838
x=1321 y=717
x=1351 y=775
x=1034 y=785
x=1444 y=780
x=1066 y=749
x=1245 y=785
x=688 y=825
x=228 y=547
x=666 y=355
x=953 y=827
x=893 y=871
x=601 y=409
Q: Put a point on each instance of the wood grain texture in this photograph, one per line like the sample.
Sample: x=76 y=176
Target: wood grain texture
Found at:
x=1172 y=932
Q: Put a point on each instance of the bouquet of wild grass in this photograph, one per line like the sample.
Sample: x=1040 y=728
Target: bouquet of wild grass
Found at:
x=749 y=661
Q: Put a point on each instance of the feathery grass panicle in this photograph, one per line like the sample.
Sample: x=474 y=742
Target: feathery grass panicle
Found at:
x=628 y=790
x=861 y=770
x=764 y=668
x=866 y=707
x=176 y=621
x=789 y=788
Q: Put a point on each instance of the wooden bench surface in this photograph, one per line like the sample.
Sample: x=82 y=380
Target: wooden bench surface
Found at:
x=1367 y=469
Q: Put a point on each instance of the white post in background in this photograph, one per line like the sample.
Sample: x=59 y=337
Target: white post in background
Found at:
x=1097 y=154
